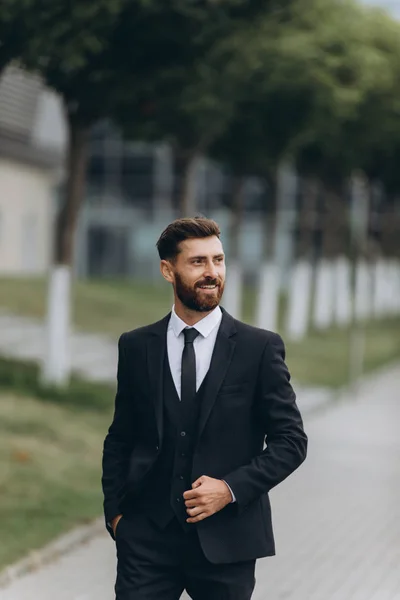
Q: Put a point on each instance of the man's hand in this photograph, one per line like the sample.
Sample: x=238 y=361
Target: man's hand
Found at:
x=115 y=522
x=207 y=497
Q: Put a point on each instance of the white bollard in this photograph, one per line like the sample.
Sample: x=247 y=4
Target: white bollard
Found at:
x=393 y=290
x=342 y=291
x=267 y=307
x=232 y=299
x=380 y=289
x=398 y=287
x=363 y=291
x=57 y=360
x=323 y=313
x=299 y=301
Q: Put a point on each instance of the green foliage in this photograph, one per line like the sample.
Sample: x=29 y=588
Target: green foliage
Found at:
x=55 y=31
x=24 y=378
x=67 y=44
x=50 y=468
x=314 y=80
x=357 y=134
x=186 y=89
x=312 y=68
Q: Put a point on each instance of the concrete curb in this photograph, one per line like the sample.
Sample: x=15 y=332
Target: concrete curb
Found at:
x=53 y=551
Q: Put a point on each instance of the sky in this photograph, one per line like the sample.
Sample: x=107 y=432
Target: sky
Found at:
x=393 y=6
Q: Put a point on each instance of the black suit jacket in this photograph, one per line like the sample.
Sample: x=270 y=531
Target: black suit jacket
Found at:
x=248 y=400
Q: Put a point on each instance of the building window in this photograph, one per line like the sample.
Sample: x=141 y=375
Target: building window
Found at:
x=137 y=178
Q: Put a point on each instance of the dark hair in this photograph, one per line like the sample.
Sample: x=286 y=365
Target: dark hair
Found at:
x=184 y=229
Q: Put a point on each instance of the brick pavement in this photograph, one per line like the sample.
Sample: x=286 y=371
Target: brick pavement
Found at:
x=337 y=519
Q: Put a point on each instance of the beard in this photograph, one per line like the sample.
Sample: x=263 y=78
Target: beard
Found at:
x=192 y=296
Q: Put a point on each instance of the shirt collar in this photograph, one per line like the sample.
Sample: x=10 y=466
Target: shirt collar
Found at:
x=205 y=326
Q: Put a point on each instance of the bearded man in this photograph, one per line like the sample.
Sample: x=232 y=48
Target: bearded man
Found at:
x=205 y=425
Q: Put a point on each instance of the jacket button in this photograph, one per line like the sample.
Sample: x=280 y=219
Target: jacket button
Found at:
x=183 y=433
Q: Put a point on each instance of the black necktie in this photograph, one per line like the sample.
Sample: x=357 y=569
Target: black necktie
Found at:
x=188 y=377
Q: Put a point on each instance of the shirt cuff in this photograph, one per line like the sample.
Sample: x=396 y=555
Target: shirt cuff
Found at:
x=230 y=489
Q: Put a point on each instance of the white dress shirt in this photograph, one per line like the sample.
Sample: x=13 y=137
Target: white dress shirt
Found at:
x=203 y=345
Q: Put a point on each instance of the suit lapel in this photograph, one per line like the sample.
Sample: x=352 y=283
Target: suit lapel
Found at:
x=156 y=349
x=220 y=362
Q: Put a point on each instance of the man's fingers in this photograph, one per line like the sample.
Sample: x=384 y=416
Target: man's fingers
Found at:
x=190 y=494
x=193 y=503
x=198 y=482
x=199 y=517
x=193 y=512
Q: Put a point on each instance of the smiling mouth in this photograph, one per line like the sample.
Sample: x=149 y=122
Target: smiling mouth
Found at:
x=208 y=287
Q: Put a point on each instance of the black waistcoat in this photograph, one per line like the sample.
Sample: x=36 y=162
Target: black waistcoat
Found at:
x=162 y=494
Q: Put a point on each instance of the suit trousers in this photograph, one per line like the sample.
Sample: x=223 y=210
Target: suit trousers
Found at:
x=159 y=564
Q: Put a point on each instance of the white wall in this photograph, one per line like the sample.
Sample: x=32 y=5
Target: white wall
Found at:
x=49 y=129
x=26 y=213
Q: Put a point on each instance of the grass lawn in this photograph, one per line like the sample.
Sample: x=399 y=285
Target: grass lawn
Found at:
x=112 y=307
x=99 y=306
x=322 y=358
x=50 y=458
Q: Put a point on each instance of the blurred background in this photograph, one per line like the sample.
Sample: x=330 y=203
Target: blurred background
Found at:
x=279 y=119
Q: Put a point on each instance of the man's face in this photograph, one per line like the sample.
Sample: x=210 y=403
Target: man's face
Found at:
x=199 y=273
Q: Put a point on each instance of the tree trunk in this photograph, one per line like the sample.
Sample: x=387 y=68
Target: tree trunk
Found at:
x=68 y=215
x=267 y=305
x=163 y=178
x=271 y=220
x=362 y=248
x=301 y=281
x=234 y=279
x=396 y=260
x=236 y=217
x=57 y=361
x=361 y=295
x=335 y=235
x=389 y=251
x=343 y=285
x=307 y=219
x=188 y=192
x=324 y=297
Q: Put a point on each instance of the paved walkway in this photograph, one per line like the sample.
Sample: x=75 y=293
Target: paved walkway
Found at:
x=337 y=519
x=93 y=356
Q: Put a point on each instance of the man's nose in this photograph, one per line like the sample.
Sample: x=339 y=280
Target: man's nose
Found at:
x=211 y=271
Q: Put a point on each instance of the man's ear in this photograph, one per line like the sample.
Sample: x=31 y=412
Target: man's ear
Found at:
x=167 y=271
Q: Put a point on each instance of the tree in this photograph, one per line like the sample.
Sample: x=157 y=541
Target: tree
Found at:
x=292 y=86
x=13 y=31
x=312 y=68
x=190 y=96
x=356 y=139
x=69 y=47
x=87 y=52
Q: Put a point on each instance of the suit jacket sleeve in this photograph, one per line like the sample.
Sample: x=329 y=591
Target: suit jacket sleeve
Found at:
x=285 y=438
x=118 y=443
